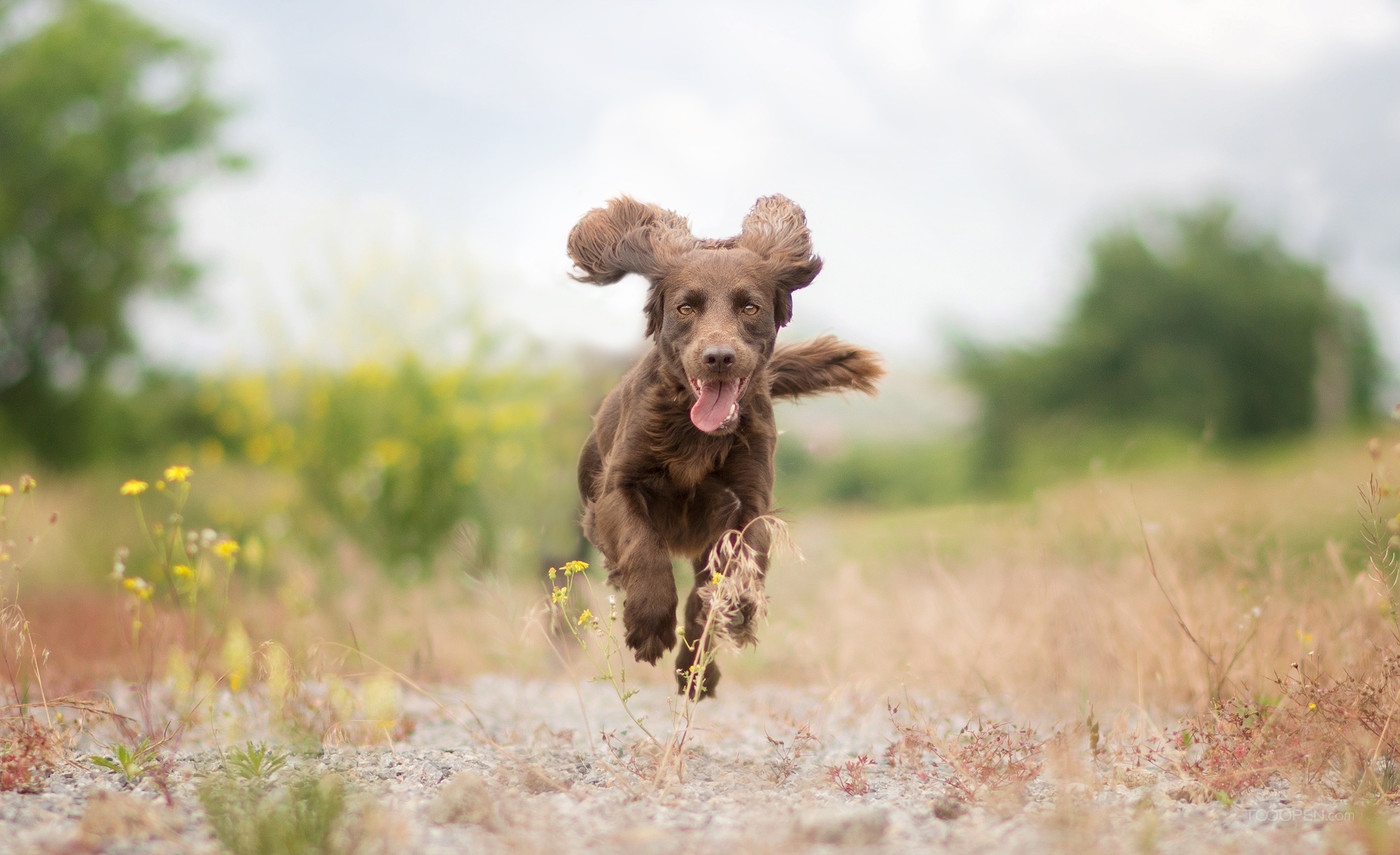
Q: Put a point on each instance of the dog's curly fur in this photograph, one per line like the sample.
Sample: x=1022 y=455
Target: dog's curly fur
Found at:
x=682 y=449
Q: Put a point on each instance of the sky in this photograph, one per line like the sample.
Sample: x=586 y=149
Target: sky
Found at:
x=420 y=160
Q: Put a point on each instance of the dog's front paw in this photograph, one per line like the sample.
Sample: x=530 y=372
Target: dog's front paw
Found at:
x=650 y=646
x=649 y=636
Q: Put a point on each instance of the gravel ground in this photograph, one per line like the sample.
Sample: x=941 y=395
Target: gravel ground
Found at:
x=534 y=780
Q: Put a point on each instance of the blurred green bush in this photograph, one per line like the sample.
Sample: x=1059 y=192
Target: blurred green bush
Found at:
x=1194 y=324
x=884 y=473
x=93 y=160
x=410 y=460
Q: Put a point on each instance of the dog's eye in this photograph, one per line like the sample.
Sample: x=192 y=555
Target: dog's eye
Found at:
x=685 y=309
x=750 y=309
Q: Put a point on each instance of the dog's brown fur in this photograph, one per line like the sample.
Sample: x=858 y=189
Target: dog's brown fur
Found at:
x=656 y=478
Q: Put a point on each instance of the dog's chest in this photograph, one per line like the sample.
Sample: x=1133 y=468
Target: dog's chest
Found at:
x=688 y=468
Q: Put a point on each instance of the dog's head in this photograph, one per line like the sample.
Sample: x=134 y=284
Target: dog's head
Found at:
x=714 y=306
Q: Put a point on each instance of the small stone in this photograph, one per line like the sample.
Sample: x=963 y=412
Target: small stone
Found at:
x=947 y=808
x=465 y=799
x=1133 y=777
x=534 y=780
x=1191 y=794
x=852 y=826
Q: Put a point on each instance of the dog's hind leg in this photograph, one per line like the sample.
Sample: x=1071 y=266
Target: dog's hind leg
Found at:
x=741 y=603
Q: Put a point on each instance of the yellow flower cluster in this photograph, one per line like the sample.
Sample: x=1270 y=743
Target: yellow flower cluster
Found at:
x=173 y=474
x=26 y=485
x=138 y=586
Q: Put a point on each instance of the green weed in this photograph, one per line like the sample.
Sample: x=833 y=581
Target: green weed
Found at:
x=132 y=763
x=255 y=761
x=307 y=815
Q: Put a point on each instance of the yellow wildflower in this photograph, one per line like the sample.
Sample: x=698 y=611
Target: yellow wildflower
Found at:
x=182 y=570
x=716 y=578
x=6 y=490
x=237 y=656
x=27 y=483
x=134 y=487
x=227 y=548
x=178 y=474
x=138 y=586
x=560 y=595
x=552 y=573
x=575 y=567
x=585 y=617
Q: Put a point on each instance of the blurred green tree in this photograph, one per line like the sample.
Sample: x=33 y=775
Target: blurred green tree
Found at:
x=1194 y=323
x=104 y=120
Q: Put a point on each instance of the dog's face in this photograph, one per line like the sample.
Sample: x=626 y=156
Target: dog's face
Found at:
x=714 y=323
x=715 y=306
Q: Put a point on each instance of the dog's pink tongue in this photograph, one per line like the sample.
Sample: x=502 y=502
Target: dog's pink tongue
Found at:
x=717 y=397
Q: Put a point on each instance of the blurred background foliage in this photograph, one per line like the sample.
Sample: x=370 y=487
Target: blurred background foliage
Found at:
x=1192 y=333
x=104 y=119
x=409 y=460
x=1190 y=323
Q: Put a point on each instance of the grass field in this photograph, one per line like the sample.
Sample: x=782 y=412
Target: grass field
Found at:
x=1051 y=600
x=1243 y=606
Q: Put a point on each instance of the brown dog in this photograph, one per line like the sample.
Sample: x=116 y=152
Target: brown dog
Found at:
x=682 y=450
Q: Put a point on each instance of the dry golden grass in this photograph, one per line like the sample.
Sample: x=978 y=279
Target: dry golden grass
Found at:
x=1050 y=606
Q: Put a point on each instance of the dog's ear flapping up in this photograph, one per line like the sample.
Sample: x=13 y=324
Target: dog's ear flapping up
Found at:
x=776 y=230
x=627 y=236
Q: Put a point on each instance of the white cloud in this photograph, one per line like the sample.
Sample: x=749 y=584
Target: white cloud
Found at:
x=1239 y=42
x=1247 y=42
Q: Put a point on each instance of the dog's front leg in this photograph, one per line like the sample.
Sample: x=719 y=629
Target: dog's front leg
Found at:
x=640 y=564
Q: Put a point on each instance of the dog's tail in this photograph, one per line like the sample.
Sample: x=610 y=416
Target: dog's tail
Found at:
x=824 y=364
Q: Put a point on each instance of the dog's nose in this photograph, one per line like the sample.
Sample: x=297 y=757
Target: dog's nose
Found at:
x=718 y=357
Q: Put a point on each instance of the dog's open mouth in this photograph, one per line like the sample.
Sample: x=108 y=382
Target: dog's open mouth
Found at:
x=716 y=404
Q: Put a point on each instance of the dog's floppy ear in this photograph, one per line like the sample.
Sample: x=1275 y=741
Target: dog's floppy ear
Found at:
x=627 y=236
x=776 y=230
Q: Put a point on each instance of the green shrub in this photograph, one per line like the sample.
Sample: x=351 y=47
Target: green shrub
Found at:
x=408 y=459
x=1196 y=325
